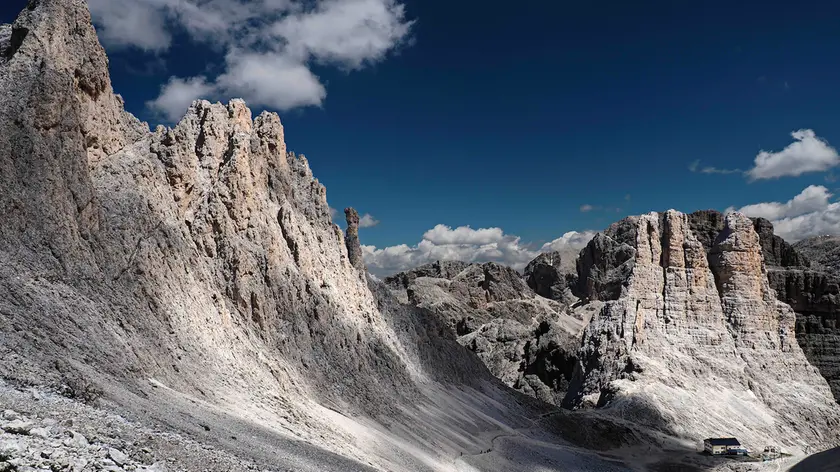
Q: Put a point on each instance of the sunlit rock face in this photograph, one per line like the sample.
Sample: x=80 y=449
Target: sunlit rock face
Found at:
x=803 y=275
x=690 y=328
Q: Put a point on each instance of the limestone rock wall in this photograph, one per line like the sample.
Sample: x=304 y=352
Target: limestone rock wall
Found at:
x=803 y=276
x=354 y=247
x=699 y=345
x=824 y=251
x=201 y=256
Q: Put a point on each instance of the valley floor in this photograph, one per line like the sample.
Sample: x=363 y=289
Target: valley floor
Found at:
x=182 y=434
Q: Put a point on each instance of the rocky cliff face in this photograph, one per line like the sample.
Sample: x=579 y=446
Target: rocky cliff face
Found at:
x=689 y=342
x=528 y=341
x=197 y=268
x=804 y=277
x=163 y=247
x=823 y=251
x=553 y=275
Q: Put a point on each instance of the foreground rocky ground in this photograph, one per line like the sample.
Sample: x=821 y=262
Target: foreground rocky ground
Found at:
x=43 y=431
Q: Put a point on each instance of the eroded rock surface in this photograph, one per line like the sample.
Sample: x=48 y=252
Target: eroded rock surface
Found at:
x=688 y=331
x=197 y=268
x=824 y=251
x=354 y=247
x=553 y=275
x=804 y=276
x=528 y=341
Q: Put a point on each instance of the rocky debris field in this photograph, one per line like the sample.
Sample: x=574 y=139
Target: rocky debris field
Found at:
x=32 y=443
x=42 y=431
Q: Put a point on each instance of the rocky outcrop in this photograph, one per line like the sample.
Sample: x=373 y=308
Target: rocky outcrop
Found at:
x=777 y=251
x=528 y=341
x=695 y=344
x=604 y=266
x=707 y=225
x=799 y=276
x=823 y=251
x=552 y=275
x=354 y=247
x=5 y=42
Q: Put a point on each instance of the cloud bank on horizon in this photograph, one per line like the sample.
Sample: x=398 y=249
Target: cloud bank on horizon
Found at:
x=809 y=214
x=466 y=244
x=269 y=46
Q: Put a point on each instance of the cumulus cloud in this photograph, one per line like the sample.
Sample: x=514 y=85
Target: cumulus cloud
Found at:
x=808 y=153
x=177 y=94
x=268 y=46
x=811 y=213
x=571 y=240
x=270 y=79
x=367 y=221
x=464 y=244
x=127 y=23
x=812 y=199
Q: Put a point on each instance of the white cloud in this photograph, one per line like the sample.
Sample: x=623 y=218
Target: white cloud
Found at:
x=270 y=79
x=268 y=45
x=811 y=213
x=137 y=23
x=464 y=244
x=333 y=213
x=571 y=240
x=808 y=153
x=177 y=95
x=346 y=32
x=367 y=221
x=444 y=235
x=809 y=200
x=586 y=208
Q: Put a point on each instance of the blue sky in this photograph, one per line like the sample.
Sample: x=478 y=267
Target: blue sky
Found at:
x=518 y=116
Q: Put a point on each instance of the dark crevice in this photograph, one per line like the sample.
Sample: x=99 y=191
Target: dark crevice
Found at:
x=202 y=135
x=16 y=41
x=290 y=242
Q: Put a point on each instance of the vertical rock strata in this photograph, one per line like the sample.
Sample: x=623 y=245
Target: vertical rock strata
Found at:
x=696 y=345
x=354 y=247
x=803 y=275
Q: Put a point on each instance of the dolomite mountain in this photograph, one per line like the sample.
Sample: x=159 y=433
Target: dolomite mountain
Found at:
x=193 y=277
x=671 y=321
x=807 y=277
x=691 y=337
x=189 y=283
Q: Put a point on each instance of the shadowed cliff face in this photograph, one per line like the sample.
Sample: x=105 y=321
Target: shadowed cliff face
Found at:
x=527 y=341
x=689 y=329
